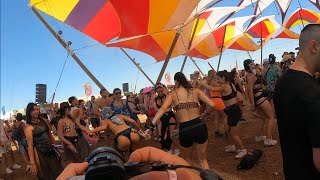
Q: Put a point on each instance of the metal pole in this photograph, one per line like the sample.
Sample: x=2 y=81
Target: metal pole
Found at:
x=210 y=66
x=222 y=46
x=261 y=41
x=174 y=42
x=249 y=55
x=190 y=43
x=66 y=46
x=300 y=14
x=138 y=66
x=194 y=62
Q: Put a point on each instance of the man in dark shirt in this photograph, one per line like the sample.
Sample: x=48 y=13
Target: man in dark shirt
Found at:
x=297 y=105
x=317 y=77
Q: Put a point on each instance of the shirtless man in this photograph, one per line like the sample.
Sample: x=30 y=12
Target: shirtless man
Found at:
x=104 y=101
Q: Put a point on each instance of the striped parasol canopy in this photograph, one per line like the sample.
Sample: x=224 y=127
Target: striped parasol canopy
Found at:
x=158 y=44
x=300 y=16
x=265 y=28
x=96 y=19
x=104 y=20
x=210 y=44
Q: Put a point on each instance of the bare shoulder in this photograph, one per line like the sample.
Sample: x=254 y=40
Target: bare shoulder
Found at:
x=250 y=76
x=28 y=128
x=98 y=102
x=197 y=91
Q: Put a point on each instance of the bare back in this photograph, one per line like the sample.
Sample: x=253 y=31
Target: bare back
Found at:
x=181 y=95
x=114 y=127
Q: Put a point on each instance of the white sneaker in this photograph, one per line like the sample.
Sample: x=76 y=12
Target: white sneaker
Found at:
x=230 y=149
x=9 y=171
x=177 y=152
x=240 y=154
x=16 y=166
x=270 y=142
x=260 y=138
x=28 y=167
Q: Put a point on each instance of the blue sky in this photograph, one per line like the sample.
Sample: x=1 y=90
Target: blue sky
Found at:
x=31 y=55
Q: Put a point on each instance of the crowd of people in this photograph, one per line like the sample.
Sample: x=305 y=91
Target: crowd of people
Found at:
x=181 y=111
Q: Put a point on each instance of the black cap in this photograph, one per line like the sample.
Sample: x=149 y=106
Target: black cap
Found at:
x=272 y=58
x=246 y=63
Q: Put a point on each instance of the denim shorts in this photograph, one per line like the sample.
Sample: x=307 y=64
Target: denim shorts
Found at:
x=23 y=146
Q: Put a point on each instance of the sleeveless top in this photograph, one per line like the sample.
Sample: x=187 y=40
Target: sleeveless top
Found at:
x=132 y=114
x=232 y=95
x=119 y=110
x=215 y=94
x=40 y=134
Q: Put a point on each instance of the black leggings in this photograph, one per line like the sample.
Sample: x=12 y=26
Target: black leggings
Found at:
x=165 y=120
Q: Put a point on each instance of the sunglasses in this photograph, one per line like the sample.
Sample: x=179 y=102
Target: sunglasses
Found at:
x=117 y=93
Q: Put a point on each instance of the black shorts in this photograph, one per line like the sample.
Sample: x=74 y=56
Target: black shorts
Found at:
x=234 y=114
x=193 y=131
x=126 y=133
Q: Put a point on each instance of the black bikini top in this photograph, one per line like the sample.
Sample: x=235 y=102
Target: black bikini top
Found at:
x=186 y=105
x=232 y=95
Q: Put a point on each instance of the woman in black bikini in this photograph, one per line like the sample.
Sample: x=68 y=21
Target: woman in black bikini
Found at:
x=239 y=88
x=68 y=135
x=232 y=110
x=125 y=136
x=192 y=131
x=257 y=98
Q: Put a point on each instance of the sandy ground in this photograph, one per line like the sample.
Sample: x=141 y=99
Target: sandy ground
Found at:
x=269 y=167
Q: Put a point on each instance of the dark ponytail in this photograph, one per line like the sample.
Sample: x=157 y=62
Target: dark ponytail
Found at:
x=182 y=80
x=228 y=77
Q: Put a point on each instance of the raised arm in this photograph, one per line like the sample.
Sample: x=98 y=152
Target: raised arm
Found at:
x=204 y=98
x=210 y=88
x=102 y=127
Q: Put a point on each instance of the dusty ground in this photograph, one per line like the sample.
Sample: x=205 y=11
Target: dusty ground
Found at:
x=224 y=164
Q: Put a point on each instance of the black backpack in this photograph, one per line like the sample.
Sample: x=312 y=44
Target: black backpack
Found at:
x=249 y=160
x=16 y=132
